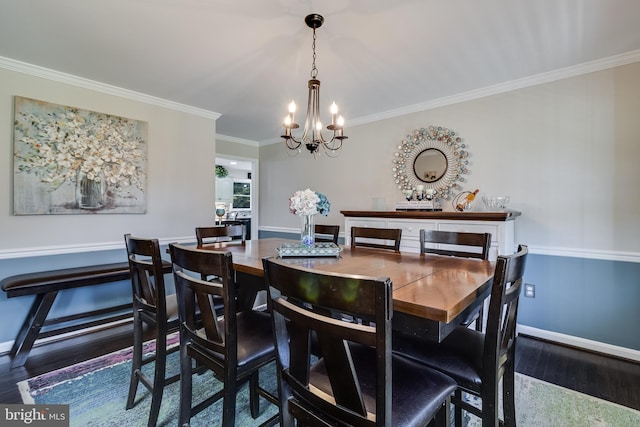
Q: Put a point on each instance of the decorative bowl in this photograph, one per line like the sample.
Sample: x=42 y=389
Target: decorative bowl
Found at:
x=496 y=202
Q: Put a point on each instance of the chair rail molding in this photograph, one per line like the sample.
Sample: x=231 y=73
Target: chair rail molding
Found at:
x=600 y=254
x=80 y=248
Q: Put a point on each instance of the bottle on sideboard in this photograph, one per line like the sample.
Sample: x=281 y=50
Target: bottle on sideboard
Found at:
x=460 y=207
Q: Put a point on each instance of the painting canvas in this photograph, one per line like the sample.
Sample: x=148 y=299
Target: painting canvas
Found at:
x=73 y=161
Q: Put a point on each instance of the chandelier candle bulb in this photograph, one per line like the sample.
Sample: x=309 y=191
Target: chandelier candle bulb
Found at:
x=334 y=111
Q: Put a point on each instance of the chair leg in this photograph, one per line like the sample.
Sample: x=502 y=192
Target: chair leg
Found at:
x=158 y=378
x=136 y=362
x=458 y=409
x=443 y=416
x=490 y=406
x=254 y=397
x=185 y=387
x=229 y=399
x=508 y=395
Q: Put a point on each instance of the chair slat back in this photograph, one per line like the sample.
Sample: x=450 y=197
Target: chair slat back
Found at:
x=327 y=233
x=482 y=241
x=503 y=312
x=220 y=233
x=301 y=302
x=147 y=278
x=377 y=238
x=191 y=266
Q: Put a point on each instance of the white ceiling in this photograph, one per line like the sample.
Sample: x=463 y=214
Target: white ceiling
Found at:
x=247 y=59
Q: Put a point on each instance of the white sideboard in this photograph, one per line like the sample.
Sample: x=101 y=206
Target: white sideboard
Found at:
x=501 y=225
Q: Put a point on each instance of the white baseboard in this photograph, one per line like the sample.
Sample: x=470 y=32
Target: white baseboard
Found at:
x=596 y=346
x=5 y=347
x=599 y=347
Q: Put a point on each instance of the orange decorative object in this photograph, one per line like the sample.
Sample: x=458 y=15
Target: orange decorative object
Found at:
x=465 y=203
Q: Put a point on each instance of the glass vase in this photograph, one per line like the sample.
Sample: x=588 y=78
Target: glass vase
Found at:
x=90 y=193
x=308 y=232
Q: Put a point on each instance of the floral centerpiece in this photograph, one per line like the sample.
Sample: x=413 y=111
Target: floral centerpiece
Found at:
x=306 y=204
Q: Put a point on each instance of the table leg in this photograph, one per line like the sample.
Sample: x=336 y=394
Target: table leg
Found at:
x=248 y=288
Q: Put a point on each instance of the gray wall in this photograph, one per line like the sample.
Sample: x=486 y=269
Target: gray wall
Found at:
x=180 y=179
x=565 y=151
x=180 y=191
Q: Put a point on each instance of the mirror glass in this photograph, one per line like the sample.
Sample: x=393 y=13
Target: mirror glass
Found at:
x=434 y=158
x=430 y=165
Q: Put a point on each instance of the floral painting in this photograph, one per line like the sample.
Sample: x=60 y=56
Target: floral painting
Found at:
x=73 y=161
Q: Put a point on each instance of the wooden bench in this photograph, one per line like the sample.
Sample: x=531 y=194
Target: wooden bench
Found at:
x=45 y=286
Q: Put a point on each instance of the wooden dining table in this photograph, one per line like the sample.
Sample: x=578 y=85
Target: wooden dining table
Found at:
x=431 y=293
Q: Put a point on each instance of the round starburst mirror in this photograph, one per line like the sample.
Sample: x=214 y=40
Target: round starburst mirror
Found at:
x=434 y=158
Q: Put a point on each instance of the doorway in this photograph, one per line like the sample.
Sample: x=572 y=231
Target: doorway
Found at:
x=238 y=191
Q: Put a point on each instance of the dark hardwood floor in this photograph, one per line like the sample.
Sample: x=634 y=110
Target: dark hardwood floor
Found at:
x=604 y=377
x=608 y=378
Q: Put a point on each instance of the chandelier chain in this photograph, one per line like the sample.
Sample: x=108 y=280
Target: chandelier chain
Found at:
x=314 y=70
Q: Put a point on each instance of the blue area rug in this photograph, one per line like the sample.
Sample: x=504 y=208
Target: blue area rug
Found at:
x=96 y=391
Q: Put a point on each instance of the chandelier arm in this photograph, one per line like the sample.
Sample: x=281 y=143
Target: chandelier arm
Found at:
x=334 y=144
x=309 y=122
x=293 y=143
x=315 y=114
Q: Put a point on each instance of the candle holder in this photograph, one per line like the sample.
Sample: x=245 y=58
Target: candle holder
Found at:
x=430 y=194
x=408 y=194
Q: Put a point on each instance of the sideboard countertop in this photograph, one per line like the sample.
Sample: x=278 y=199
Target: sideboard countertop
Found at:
x=505 y=215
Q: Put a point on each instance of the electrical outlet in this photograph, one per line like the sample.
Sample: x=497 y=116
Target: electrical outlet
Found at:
x=529 y=290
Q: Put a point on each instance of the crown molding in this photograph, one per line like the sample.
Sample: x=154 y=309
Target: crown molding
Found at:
x=548 y=77
x=237 y=140
x=46 y=73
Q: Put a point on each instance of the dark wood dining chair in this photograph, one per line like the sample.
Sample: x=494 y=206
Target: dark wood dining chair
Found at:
x=233 y=344
x=220 y=233
x=327 y=233
x=481 y=241
x=357 y=381
x=378 y=238
x=153 y=308
x=476 y=360
x=459 y=245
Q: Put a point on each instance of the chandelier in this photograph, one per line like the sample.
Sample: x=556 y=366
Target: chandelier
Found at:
x=312 y=136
